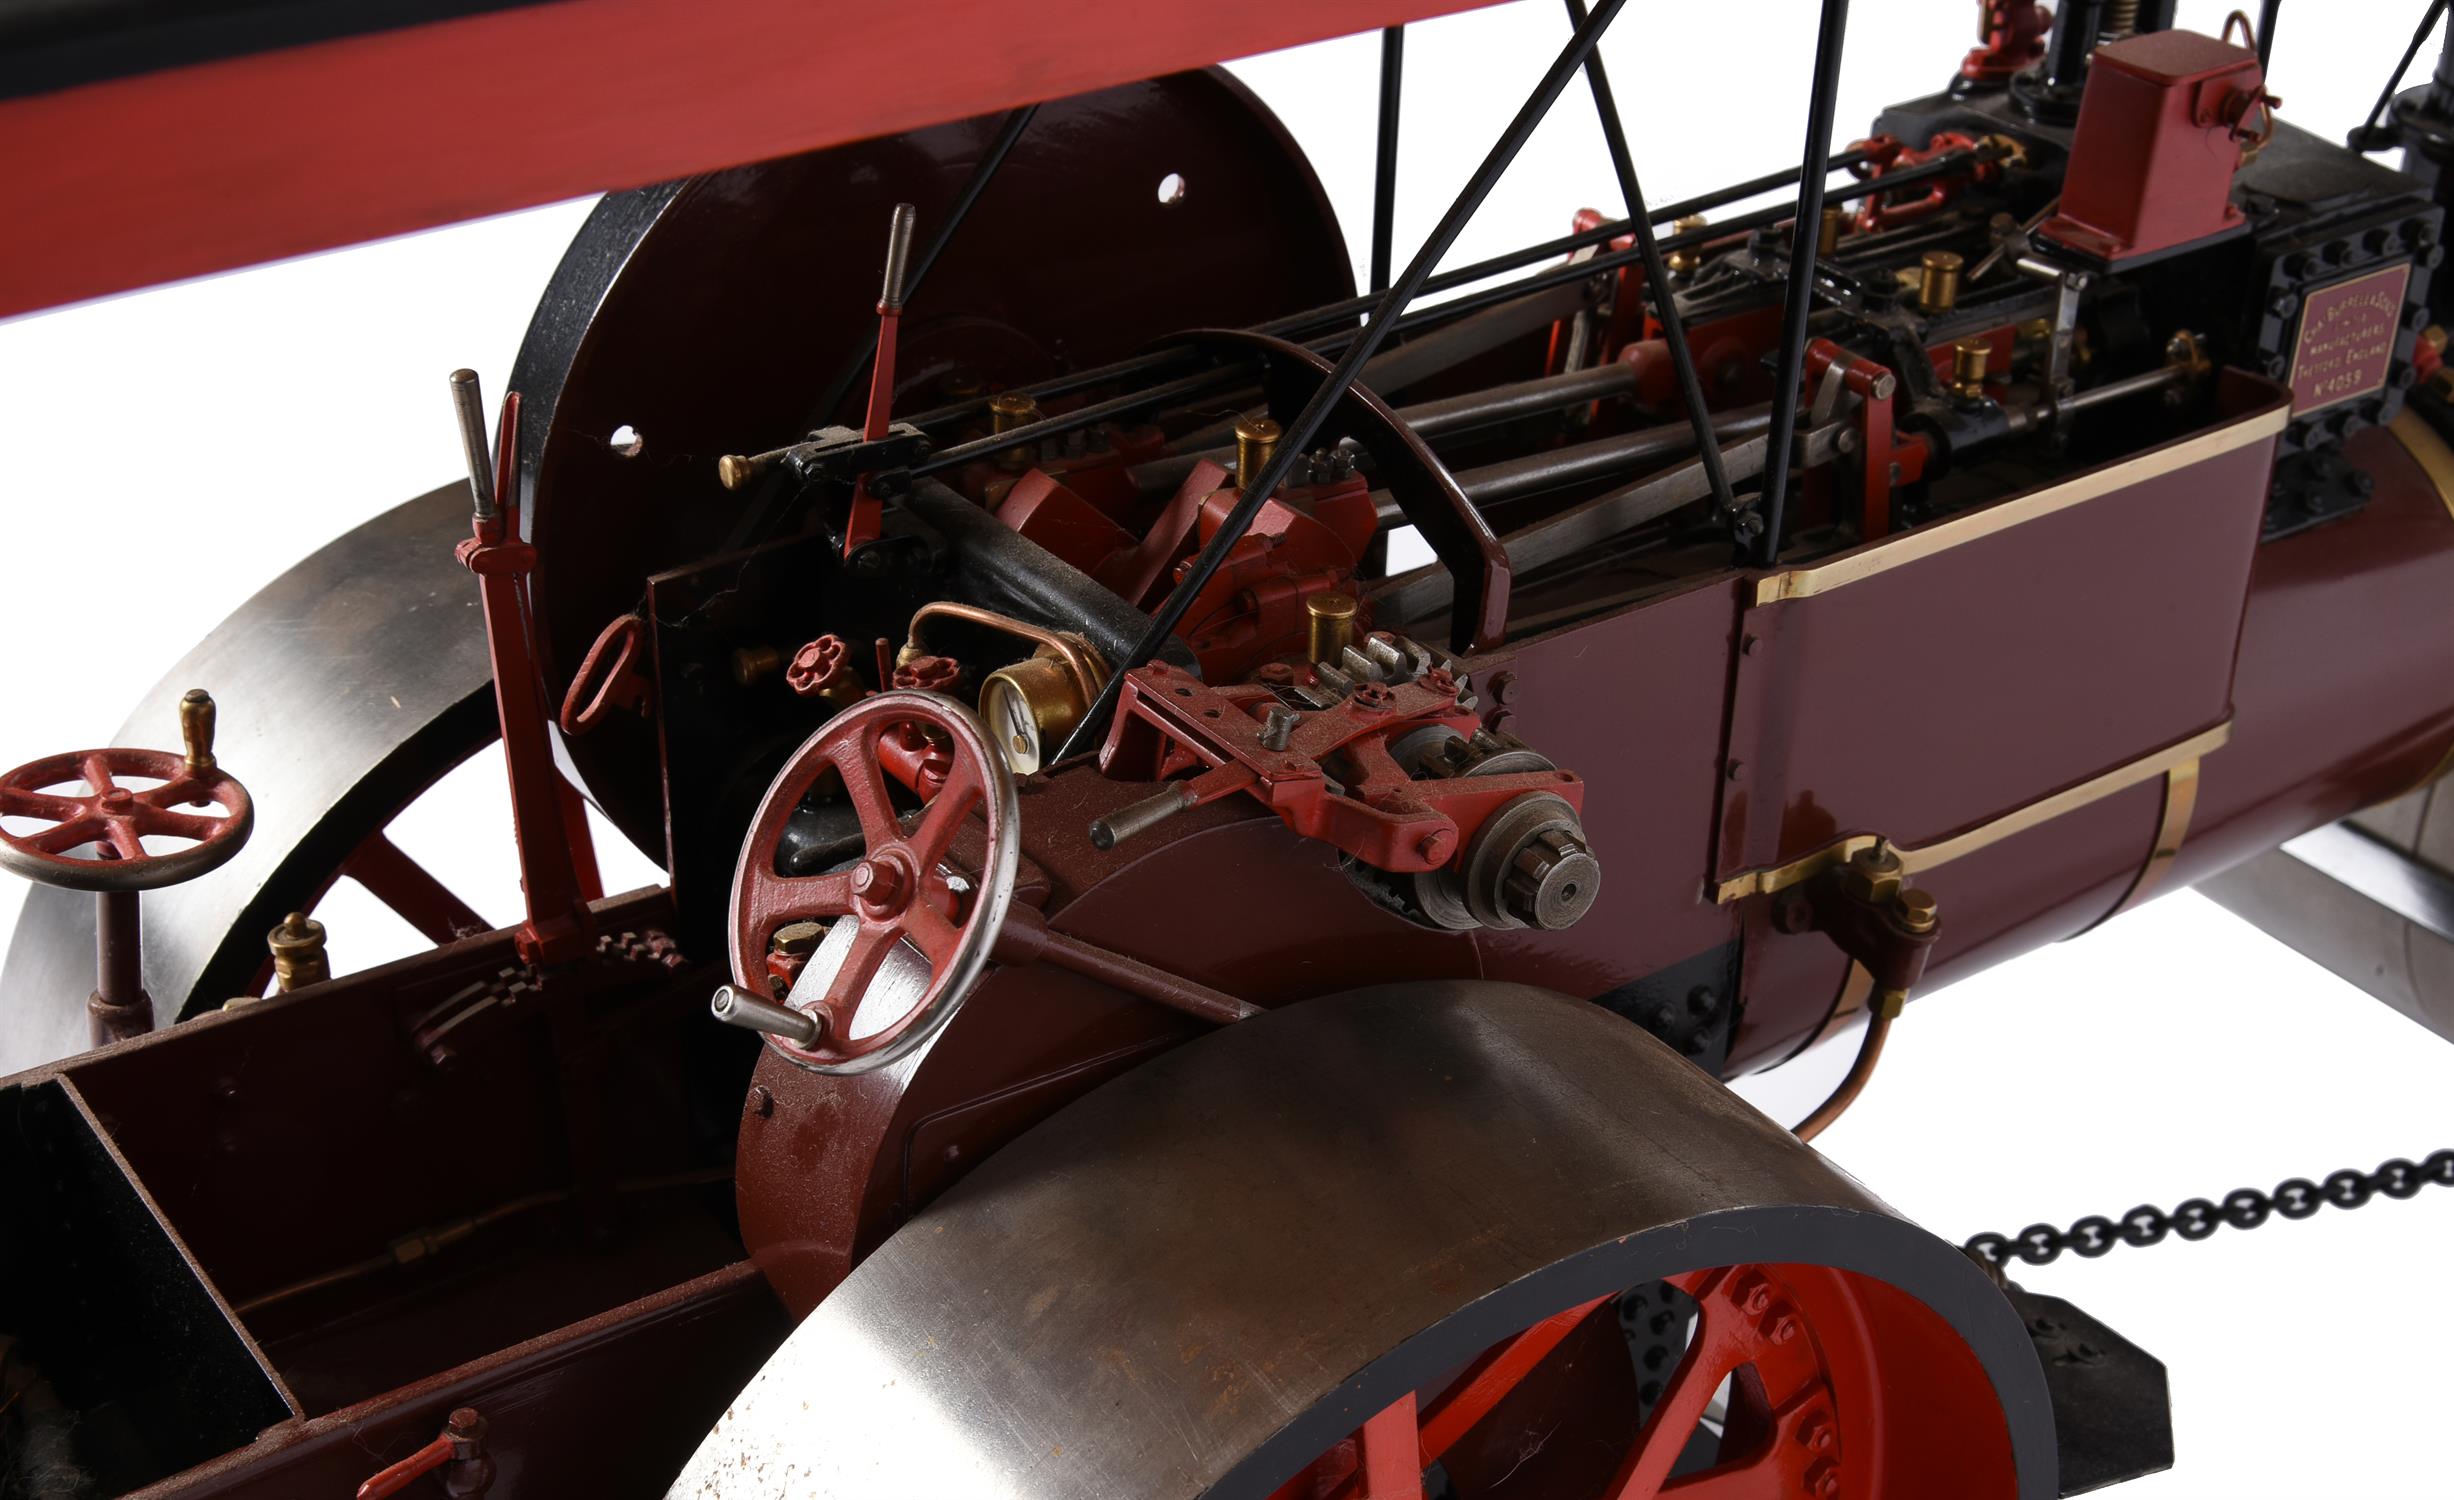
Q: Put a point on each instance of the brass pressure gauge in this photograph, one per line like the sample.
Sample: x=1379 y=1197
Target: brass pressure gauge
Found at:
x=1032 y=707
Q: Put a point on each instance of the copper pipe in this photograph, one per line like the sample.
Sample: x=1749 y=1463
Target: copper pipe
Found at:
x=1880 y=1013
x=1088 y=671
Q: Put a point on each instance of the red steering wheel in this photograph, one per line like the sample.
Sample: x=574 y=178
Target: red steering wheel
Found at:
x=897 y=908
x=117 y=819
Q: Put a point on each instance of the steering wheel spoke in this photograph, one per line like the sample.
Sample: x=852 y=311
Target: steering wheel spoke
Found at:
x=856 y=759
x=948 y=812
x=18 y=803
x=95 y=766
x=66 y=836
x=895 y=893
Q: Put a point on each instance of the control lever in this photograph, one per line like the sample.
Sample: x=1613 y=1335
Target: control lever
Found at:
x=862 y=525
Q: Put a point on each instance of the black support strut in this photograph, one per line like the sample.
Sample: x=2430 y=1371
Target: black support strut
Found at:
x=1803 y=233
x=1657 y=276
x=1384 y=167
x=1307 y=424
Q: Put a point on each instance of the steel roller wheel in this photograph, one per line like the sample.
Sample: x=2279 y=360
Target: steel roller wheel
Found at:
x=1379 y=1245
x=347 y=688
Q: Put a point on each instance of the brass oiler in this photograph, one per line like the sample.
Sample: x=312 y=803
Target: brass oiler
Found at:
x=1969 y=358
x=1256 y=441
x=1330 y=625
x=1938 y=281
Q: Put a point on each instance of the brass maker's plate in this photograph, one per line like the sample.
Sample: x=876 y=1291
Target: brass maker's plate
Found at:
x=2346 y=342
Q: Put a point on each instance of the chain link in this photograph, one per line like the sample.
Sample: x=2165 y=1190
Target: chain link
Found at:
x=2243 y=1208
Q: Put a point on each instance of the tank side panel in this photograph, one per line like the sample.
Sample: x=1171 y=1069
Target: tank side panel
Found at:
x=2345 y=692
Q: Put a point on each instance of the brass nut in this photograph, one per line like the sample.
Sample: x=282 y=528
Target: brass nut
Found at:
x=1828 y=232
x=1875 y=874
x=1918 y=911
x=797 y=939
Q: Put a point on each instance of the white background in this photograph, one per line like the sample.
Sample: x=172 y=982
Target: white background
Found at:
x=162 y=455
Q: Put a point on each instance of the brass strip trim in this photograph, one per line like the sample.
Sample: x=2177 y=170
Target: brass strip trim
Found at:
x=2180 y=801
x=2044 y=810
x=1942 y=536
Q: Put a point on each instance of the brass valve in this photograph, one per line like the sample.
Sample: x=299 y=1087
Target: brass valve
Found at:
x=298 y=952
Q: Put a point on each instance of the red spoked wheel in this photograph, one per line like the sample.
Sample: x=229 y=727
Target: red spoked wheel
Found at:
x=1784 y=1358
x=901 y=904
x=117 y=819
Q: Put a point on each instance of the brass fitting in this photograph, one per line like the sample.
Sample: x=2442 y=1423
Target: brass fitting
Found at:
x=196 y=716
x=1828 y=232
x=1008 y=410
x=1332 y=620
x=1875 y=874
x=1918 y=911
x=797 y=939
x=753 y=665
x=2434 y=337
x=1968 y=361
x=1682 y=262
x=1938 y=281
x=298 y=952
x=2183 y=352
x=1256 y=441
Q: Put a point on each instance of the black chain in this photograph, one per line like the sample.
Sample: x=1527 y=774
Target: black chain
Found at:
x=2244 y=1208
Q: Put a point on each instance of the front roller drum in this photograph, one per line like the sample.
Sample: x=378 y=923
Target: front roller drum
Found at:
x=1448 y=1239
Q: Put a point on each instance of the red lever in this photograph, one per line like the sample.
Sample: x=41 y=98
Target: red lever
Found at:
x=862 y=525
x=557 y=928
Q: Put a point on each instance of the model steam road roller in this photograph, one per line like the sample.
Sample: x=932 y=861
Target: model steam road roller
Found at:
x=1220 y=831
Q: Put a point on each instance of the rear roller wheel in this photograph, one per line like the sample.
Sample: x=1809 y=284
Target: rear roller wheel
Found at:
x=1778 y=1394
x=1381 y=1246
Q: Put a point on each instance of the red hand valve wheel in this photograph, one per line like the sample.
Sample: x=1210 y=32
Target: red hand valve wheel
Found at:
x=894 y=911
x=118 y=818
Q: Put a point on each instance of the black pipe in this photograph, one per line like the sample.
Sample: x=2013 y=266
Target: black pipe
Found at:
x=1803 y=233
x=999 y=568
x=1312 y=319
x=1298 y=439
x=1657 y=276
x=1209 y=382
x=1008 y=132
x=2267 y=14
x=1384 y=167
